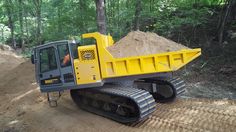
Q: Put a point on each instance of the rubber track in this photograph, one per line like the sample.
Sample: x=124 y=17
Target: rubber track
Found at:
x=143 y=99
x=178 y=84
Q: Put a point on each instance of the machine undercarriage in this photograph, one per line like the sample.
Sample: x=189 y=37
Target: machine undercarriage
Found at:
x=124 y=103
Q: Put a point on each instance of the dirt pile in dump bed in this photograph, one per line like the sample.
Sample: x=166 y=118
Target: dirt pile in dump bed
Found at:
x=139 y=43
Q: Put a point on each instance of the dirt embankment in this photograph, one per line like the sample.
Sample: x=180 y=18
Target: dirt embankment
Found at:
x=16 y=78
x=19 y=78
x=16 y=72
x=8 y=59
x=139 y=43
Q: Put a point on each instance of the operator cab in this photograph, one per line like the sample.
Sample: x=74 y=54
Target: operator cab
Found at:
x=54 y=65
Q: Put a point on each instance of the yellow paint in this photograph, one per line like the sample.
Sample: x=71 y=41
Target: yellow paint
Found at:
x=86 y=66
x=49 y=81
x=164 y=62
x=111 y=67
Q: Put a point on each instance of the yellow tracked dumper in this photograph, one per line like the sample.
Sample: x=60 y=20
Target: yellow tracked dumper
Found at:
x=123 y=89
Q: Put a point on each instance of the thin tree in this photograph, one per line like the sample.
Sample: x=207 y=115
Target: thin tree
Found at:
x=82 y=7
x=37 y=4
x=21 y=24
x=223 y=20
x=101 y=18
x=138 y=9
x=9 y=8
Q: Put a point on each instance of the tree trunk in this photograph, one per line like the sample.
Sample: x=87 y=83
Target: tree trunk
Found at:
x=37 y=4
x=39 y=21
x=150 y=5
x=27 y=30
x=59 y=27
x=9 y=9
x=223 y=23
x=21 y=25
x=101 y=19
x=138 y=9
x=233 y=11
x=107 y=12
x=82 y=6
x=3 y=40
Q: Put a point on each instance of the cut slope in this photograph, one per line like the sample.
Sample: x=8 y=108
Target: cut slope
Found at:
x=8 y=62
x=19 y=78
x=138 y=43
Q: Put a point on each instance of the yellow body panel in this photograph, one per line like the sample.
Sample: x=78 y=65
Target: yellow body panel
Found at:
x=166 y=62
x=154 y=63
x=86 y=66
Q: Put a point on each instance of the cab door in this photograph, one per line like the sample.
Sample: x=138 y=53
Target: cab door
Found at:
x=48 y=67
x=55 y=67
x=66 y=65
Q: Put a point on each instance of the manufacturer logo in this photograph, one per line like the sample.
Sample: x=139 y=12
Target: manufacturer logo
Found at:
x=87 y=55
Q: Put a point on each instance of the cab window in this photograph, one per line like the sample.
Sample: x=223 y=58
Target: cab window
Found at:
x=47 y=59
x=64 y=55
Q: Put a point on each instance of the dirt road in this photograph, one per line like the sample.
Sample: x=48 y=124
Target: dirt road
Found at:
x=24 y=108
x=32 y=113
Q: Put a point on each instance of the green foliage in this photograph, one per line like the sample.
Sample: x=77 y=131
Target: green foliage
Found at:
x=234 y=24
x=173 y=20
x=27 y=53
x=64 y=18
x=4 y=33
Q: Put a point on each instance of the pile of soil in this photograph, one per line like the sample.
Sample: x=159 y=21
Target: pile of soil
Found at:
x=139 y=43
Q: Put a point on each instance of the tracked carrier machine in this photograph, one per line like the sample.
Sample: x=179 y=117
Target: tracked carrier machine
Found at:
x=123 y=89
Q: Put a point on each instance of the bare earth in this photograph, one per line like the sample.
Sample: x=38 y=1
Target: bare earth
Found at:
x=138 y=43
x=24 y=108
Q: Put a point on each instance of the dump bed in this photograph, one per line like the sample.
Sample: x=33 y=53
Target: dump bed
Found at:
x=148 y=64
